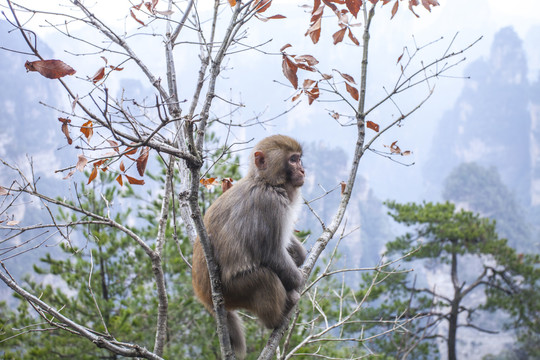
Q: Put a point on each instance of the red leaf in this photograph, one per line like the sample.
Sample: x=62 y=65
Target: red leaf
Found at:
x=51 y=69
x=98 y=76
x=142 y=160
x=137 y=20
x=81 y=163
x=371 y=125
x=352 y=90
x=353 y=38
x=119 y=179
x=87 y=130
x=338 y=35
x=289 y=70
x=93 y=175
x=134 y=181
x=65 y=129
x=395 y=8
x=353 y=6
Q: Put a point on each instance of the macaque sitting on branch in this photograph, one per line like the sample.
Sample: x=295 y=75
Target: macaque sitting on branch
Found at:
x=251 y=230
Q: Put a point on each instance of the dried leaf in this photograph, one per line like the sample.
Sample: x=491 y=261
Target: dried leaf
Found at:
x=98 y=75
x=310 y=60
x=411 y=4
x=306 y=67
x=395 y=9
x=87 y=129
x=226 y=184
x=308 y=83
x=232 y=3
x=74 y=103
x=134 y=181
x=3 y=191
x=353 y=91
x=51 y=69
x=373 y=126
x=12 y=222
x=65 y=129
x=69 y=174
x=122 y=166
x=314 y=31
x=142 y=160
x=335 y=115
x=289 y=70
x=326 y=76
x=285 y=47
x=114 y=145
x=277 y=16
x=347 y=77
x=93 y=175
x=262 y=5
x=81 y=163
x=130 y=151
x=429 y=3
x=116 y=68
x=406 y=153
x=353 y=38
x=343 y=187
x=295 y=97
x=164 y=12
x=313 y=94
x=353 y=6
x=338 y=35
x=137 y=20
x=119 y=180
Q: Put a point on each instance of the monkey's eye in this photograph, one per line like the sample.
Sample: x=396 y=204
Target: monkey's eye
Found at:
x=295 y=158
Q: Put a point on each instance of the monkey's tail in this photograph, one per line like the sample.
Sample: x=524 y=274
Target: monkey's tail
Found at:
x=236 y=333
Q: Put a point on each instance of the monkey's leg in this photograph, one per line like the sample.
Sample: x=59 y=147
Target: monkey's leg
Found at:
x=261 y=292
x=236 y=334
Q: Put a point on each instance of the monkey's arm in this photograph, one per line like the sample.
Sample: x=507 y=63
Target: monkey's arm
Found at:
x=297 y=251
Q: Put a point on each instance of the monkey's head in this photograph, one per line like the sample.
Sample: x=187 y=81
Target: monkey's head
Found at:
x=277 y=160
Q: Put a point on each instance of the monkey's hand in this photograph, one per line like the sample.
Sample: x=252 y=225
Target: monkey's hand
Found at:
x=293 y=280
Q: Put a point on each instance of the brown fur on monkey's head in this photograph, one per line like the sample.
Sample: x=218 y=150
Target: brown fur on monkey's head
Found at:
x=275 y=150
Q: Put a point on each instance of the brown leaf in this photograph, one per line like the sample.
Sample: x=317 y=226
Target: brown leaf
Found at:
x=306 y=67
x=335 y=115
x=326 y=76
x=314 y=31
x=411 y=4
x=12 y=222
x=310 y=60
x=93 y=175
x=130 y=151
x=406 y=153
x=122 y=167
x=226 y=184
x=395 y=9
x=262 y=5
x=353 y=6
x=137 y=20
x=353 y=38
x=69 y=174
x=114 y=145
x=81 y=163
x=138 y=7
x=65 y=129
x=371 y=125
x=119 y=179
x=307 y=83
x=338 y=35
x=347 y=77
x=295 y=97
x=87 y=129
x=74 y=103
x=134 y=181
x=142 y=160
x=289 y=70
x=3 y=191
x=313 y=94
x=277 y=16
x=343 y=187
x=285 y=47
x=116 y=68
x=51 y=69
x=353 y=91
x=99 y=75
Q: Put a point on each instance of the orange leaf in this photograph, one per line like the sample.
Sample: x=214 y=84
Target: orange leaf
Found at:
x=232 y=3
x=289 y=70
x=137 y=20
x=51 y=69
x=142 y=160
x=338 y=35
x=353 y=6
x=119 y=179
x=98 y=75
x=65 y=129
x=353 y=91
x=81 y=163
x=134 y=181
x=371 y=125
x=93 y=175
x=87 y=129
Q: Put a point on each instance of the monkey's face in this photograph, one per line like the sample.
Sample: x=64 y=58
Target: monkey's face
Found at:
x=295 y=170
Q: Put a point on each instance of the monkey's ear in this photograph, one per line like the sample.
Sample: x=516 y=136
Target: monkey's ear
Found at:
x=260 y=162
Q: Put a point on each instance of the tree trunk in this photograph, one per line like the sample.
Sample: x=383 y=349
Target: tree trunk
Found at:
x=454 y=311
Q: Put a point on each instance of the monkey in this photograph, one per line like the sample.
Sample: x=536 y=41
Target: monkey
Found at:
x=250 y=228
